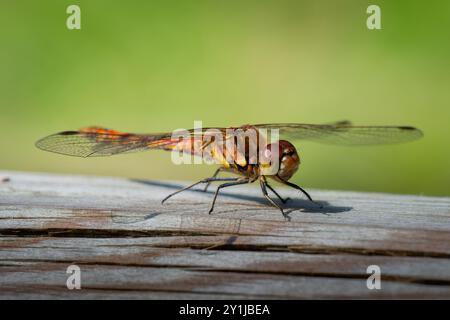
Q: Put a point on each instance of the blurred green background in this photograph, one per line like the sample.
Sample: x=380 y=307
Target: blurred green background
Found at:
x=151 y=66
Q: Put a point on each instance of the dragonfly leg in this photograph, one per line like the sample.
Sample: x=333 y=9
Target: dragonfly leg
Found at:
x=229 y=184
x=198 y=182
x=213 y=176
x=290 y=184
x=276 y=193
x=262 y=182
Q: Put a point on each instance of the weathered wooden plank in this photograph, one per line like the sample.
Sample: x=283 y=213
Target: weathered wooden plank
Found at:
x=43 y=276
x=142 y=198
x=416 y=225
x=139 y=252
x=129 y=244
x=295 y=235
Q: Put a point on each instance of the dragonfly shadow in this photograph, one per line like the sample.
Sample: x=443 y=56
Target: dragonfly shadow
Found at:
x=322 y=207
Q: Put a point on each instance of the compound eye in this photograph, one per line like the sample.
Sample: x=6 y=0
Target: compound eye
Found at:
x=288 y=152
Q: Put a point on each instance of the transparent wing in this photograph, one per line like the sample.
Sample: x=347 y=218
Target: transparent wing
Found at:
x=345 y=134
x=97 y=142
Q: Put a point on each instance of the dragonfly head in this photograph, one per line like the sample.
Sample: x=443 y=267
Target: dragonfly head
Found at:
x=289 y=160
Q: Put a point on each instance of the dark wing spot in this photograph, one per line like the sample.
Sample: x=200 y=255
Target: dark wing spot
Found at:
x=68 y=133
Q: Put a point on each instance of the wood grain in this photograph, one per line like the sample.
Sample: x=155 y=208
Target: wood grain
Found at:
x=128 y=245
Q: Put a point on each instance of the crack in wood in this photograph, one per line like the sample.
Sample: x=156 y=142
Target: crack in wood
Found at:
x=95 y=233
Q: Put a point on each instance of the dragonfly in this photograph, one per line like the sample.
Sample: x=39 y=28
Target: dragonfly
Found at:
x=98 y=142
